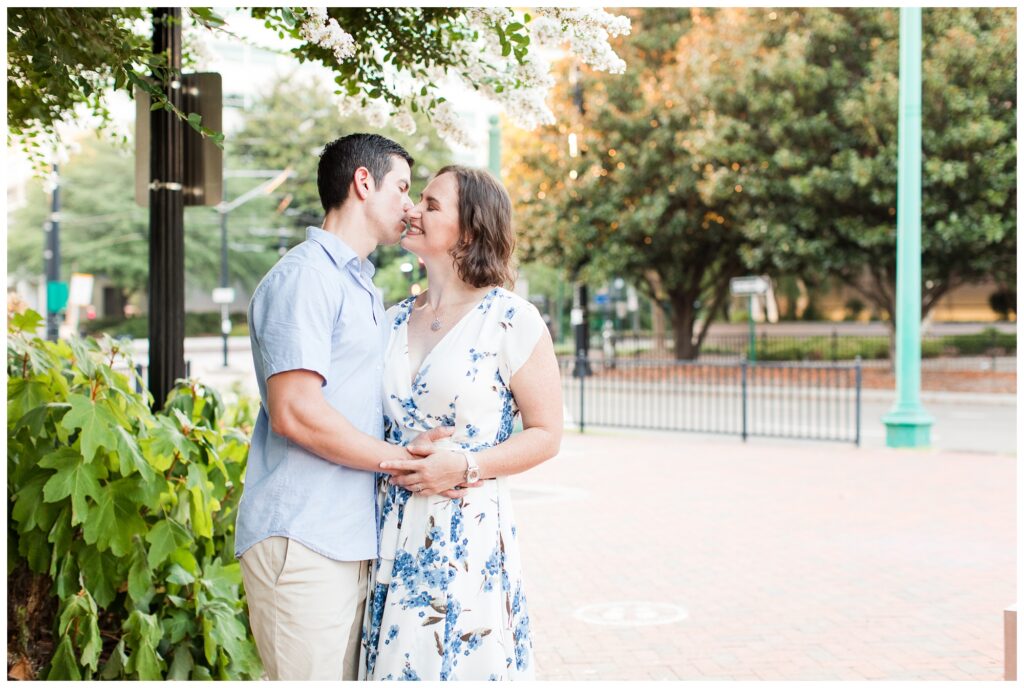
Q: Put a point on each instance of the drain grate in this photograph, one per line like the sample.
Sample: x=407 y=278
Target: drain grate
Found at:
x=631 y=613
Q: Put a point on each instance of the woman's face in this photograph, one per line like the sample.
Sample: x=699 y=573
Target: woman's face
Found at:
x=434 y=221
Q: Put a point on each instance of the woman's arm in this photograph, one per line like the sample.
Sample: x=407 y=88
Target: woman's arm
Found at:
x=537 y=389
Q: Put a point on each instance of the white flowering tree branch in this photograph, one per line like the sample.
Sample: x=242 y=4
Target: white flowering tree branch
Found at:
x=392 y=62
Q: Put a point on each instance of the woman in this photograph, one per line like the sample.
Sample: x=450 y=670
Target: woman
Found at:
x=446 y=599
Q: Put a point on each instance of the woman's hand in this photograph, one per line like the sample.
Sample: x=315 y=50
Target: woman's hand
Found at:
x=432 y=475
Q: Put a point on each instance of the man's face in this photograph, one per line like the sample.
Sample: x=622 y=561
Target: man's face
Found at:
x=390 y=202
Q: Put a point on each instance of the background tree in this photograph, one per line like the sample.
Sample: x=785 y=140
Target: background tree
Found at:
x=834 y=116
x=765 y=141
x=657 y=192
x=105 y=233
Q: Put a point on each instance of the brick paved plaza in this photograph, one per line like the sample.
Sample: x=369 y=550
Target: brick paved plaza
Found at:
x=766 y=561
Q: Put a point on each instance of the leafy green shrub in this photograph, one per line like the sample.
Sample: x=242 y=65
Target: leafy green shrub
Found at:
x=196 y=325
x=982 y=343
x=127 y=515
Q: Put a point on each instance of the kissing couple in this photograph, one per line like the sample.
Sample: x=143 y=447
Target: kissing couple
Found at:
x=375 y=530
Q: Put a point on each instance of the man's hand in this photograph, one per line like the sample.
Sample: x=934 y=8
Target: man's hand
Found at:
x=436 y=475
x=423 y=445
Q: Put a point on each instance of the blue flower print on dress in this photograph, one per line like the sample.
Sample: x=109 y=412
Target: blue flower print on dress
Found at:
x=418 y=385
x=404 y=309
x=450 y=573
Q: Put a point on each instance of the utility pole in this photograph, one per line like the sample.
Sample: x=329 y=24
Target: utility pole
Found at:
x=166 y=216
x=907 y=424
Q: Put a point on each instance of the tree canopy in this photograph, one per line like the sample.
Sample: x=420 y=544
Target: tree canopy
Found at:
x=765 y=141
x=396 y=60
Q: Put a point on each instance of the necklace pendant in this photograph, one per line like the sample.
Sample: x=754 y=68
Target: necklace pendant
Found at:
x=436 y=325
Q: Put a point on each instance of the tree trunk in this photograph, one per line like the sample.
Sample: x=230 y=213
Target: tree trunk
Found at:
x=682 y=326
x=658 y=323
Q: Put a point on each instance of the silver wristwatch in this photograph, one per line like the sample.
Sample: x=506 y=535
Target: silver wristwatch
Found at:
x=472 y=469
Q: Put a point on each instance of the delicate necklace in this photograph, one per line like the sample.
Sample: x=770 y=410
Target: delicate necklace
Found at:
x=436 y=324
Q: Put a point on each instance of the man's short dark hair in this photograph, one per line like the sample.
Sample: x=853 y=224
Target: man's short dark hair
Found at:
x=342 y=157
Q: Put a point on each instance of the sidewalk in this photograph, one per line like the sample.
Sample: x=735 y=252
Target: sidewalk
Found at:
x=664 y=556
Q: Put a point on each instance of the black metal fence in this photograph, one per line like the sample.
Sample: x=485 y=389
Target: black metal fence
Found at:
x=812 y=401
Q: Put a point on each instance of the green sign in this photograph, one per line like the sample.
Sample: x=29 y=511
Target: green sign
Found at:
x=56 y=296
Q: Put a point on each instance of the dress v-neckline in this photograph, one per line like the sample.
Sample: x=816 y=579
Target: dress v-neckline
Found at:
x=426 y=357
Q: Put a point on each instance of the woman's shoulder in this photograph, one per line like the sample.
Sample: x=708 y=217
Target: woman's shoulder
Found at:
x=399 y=313
x=509 y=309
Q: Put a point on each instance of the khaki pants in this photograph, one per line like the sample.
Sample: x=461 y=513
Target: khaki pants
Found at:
x=305 y=610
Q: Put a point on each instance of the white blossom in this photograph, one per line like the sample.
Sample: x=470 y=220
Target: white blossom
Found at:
x=450 y=126
x=403 y=122
x=320 y=30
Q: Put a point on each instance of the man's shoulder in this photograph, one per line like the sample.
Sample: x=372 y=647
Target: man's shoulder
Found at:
x=304 y=263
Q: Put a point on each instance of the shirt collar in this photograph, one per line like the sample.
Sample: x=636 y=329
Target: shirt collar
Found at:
x=340 y=252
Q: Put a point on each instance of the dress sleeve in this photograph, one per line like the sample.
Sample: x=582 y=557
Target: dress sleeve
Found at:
x=523 y=329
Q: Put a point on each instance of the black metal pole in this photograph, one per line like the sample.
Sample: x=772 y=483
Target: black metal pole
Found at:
x=225 y=327
x=166 y=217
x=581 y=330
x=51 y=256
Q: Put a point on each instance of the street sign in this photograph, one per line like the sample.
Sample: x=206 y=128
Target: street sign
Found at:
x=80 y=291
x=744 y=286
x=56 y=296
x=223 y=295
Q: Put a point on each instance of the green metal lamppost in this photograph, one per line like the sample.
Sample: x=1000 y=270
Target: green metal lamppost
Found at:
x=494 y=150
x=907 y=424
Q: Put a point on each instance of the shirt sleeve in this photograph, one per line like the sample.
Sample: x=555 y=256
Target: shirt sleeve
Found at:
x=523 y=328
x=293 y=316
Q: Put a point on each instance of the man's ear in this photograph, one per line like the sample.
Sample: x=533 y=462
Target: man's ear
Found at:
x=362 y=182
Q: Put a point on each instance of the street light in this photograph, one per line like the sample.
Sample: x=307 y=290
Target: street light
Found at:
x=225 y=295
x=578 y=314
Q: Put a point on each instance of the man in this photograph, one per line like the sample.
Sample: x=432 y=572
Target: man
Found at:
x=307 y=527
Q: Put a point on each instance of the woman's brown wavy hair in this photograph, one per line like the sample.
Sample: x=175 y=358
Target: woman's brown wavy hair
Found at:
x=483 y=252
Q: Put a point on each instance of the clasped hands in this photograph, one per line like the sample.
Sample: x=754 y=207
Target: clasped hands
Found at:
x=430 y=471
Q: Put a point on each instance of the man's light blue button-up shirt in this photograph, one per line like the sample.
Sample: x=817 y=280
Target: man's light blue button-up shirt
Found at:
x=316 y=309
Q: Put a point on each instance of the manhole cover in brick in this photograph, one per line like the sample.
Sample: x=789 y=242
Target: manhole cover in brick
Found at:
x=631 y=613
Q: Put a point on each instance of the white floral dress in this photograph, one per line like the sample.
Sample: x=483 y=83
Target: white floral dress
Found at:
x=446 y=597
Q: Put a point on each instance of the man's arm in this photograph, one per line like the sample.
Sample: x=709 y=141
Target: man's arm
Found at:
x=298 y=411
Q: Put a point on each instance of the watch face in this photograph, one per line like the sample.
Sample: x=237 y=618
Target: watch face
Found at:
x=472 y=475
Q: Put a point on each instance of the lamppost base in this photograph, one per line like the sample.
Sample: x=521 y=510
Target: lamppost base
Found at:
x=908 y=429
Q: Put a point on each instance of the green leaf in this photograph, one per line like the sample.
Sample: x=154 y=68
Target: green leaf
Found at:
x=177 y=625
x=201 y=673
x=23 y=396
x=64 y=665
x=140 y=578
x=95 y=421
x=28 y=321
x=99 y=573
x=209 y=642
x=115 y=666
x=60 y=537
x=144 y=634
x=36 y=550
x=145 y=663
x=165 y=537
x=131 y=458
x=222 y=580
x=176 y=574
x=79 y=620
x=181 y=663
x=30 y=511
x=115 y=518
x=74 y=478
x=165 y=438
